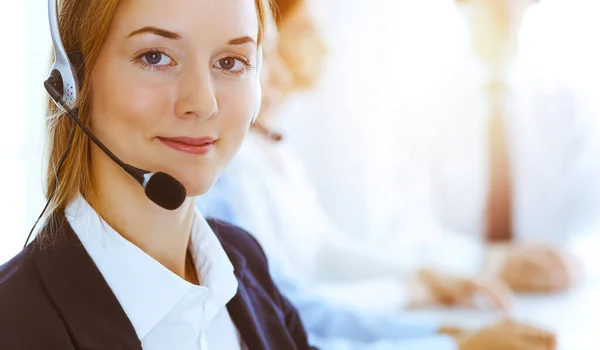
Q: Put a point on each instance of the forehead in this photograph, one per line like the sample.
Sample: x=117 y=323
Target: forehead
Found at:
x=203 y=20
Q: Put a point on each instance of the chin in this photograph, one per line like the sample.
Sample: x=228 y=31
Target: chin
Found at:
x=199 y=184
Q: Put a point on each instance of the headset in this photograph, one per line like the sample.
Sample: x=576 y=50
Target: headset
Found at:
x=63 y=87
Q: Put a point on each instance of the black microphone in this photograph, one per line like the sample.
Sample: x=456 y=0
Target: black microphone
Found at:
x=161 y=188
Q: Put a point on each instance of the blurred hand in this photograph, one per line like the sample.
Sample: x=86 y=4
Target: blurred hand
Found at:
x=453 y=331
x=507 y=335
x=443 y=289
x=535 y=267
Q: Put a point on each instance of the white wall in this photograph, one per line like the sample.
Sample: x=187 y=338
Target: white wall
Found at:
x=13 y=126
x=380 y=92
x=24 y=61
x=396 y=70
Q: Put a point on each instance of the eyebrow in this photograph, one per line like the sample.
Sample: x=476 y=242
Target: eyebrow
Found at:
x=242 y=40
x=175 y=36
x=156 y=31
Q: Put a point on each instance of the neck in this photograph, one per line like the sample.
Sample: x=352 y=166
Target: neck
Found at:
x=122 y=203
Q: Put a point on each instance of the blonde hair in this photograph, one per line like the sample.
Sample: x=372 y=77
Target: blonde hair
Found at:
x=83 y=26
x=283 y=8
x=303 y=61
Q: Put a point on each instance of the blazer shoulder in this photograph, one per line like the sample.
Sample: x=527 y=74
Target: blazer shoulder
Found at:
x=242 y=249
x=17 y=273
x=236 y=237
x=27 y=309
x=269 y=300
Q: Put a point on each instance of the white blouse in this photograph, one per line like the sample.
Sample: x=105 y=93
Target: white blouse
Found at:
x=166 y=311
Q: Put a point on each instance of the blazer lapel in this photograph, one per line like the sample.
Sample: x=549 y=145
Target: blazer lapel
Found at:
x=88 y=306
x=245 y=319
x=240 y=307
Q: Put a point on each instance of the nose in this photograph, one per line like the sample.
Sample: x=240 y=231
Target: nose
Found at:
x=196 y=95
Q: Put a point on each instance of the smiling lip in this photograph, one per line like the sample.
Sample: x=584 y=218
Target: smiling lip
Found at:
x=189 y=145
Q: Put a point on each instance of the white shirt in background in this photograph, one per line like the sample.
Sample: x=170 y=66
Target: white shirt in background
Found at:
x=269 y=194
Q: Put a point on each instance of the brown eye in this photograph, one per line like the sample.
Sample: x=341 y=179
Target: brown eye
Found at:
x=157 y=58
x=227 y=63
x=153 y=57
x=232 y=66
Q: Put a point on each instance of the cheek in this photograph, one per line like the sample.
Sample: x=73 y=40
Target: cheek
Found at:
x=145 y=105
x=123 y=106
x=235 y=115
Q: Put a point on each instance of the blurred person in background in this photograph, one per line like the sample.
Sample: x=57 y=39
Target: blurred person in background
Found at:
x=287 y=196
x=266 y=187
x=540 y=184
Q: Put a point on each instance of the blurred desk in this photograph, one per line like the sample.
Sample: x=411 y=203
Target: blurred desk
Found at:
x=574 y=316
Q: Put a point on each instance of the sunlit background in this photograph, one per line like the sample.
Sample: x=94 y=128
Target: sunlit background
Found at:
x=398 y=120
x=400 y=86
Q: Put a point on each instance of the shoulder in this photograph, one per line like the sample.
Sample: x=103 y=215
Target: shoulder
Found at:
x=236 y=239
x=245 y=253
x=17 y=275
x=26 y=307
x=270 y=304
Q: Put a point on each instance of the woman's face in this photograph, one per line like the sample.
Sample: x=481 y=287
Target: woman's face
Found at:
x=174 y=86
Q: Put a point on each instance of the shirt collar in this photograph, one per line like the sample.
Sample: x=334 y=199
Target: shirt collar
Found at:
x=146 y=290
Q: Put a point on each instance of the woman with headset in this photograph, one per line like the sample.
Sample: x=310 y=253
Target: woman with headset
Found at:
x=124 y=261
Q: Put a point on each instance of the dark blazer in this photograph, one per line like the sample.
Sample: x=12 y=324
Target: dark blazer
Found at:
x=53 y=297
